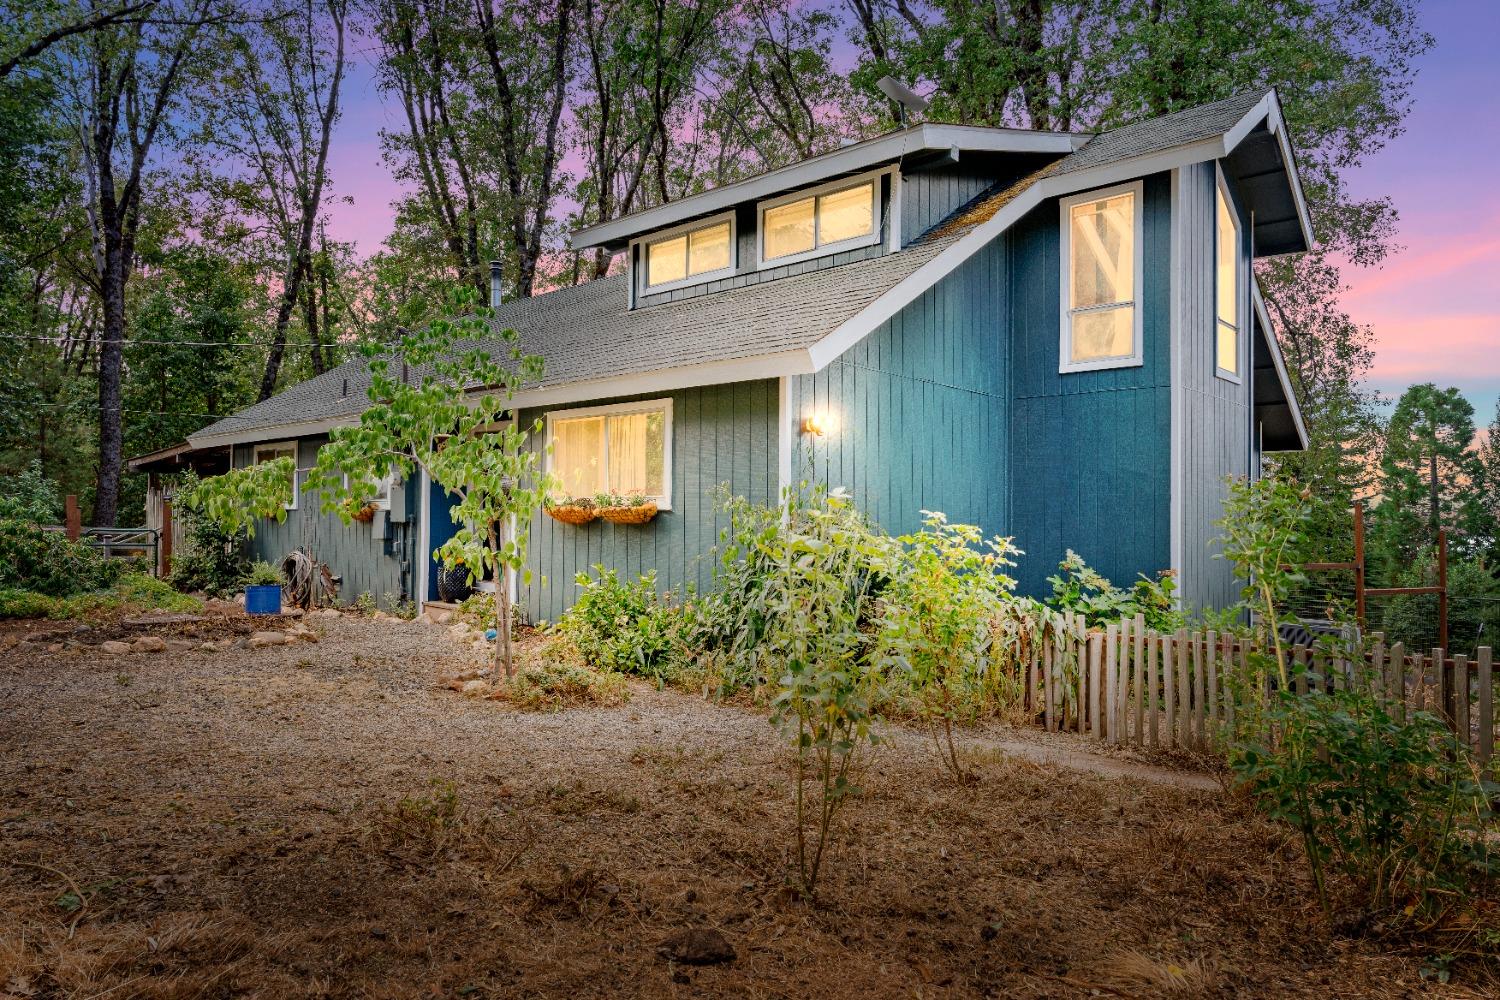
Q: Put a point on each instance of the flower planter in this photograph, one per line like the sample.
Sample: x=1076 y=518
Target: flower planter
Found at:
x=453 y=584
x=263 y=599
x=629 y=515
x=570 y=514
x=365 y=514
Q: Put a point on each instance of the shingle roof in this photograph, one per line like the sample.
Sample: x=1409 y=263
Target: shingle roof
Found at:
x=586 y=332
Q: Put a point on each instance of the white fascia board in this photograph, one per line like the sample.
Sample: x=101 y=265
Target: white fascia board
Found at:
x=904 y=292
x=277 y=432
x=761 y=366
x=1268 y=109
x=1274 y=346
x=850 y=159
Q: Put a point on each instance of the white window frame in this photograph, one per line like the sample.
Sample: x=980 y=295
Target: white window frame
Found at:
x=1137 y=357
x=616 y=409
x=1241 y=286
x=640 y=251
x=378 y=502
x=825 y=249
x=255 y=459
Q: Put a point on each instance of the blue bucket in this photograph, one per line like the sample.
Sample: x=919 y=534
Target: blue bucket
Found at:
x=263 y=599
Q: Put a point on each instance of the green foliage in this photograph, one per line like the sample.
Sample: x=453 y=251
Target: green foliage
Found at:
x=211 y=560
x=936 y=629
x=1473 y=607
x=1082 y=590
x=264 y=574
x=16 y=603
x=30 y=496
x=460 y=438
x=1397 y=809
x=134 y=592
x=237 y=499
x=626 y=627
x=46 y=562
x=555 y=686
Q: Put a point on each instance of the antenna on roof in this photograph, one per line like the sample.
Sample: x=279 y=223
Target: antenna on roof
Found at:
x=907 y=100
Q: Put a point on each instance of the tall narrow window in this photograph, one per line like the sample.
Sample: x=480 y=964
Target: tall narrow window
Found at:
x=693 y=255
x=1101 y=280
x=1226 y=288
x=623 y=449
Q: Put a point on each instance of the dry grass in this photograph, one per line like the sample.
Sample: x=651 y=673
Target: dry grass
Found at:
x=330 y=822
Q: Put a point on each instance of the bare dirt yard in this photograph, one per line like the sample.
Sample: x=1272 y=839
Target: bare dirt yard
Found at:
x=325 y=819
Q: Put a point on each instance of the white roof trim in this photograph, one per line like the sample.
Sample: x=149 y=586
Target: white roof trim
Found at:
x=850 y=159
x=1274 y=346
x=275 y=432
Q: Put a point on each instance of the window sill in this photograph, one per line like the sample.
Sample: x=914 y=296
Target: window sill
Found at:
x=1102 y=365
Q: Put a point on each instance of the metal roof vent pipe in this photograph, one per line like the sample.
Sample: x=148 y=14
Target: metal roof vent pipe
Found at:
x=496 y=296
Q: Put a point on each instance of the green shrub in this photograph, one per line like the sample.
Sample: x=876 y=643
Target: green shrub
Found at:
x=28 y=604
x=30 y=496
x=628 y=627
x=552 y=686
x=1078 y=588
x=264 y=574
x=133 y=592
x=1396 y=809
x=211 y=561
x=46 y=562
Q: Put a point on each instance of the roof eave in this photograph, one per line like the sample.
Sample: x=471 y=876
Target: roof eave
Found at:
x=1273 y=346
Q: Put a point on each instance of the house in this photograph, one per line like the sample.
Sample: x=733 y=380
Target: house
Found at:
x=1055 y=336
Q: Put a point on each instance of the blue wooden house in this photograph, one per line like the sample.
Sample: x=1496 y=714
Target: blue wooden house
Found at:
x=1055 y=336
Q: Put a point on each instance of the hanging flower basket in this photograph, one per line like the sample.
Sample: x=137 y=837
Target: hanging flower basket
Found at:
x=572 y=512
x=637 y=514
x=365 y=514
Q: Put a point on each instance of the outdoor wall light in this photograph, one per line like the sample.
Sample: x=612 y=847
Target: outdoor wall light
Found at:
x=818 y=423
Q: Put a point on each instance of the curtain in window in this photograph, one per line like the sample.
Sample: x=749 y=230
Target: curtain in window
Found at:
x=578 y=455
x=636 y=453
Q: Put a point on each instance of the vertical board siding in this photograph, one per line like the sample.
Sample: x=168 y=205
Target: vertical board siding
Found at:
x=1090 y=458
x=1213 y=441
x=720 y=434
x=919 y=407
x=367 y=565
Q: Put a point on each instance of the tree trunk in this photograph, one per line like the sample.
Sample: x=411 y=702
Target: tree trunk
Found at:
x=111 y=371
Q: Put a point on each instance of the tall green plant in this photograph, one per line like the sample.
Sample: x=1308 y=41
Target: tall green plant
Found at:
x=237 y=499
x=441 y=403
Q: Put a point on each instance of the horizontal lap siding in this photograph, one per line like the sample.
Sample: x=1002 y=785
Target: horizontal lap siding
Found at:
x=920 y=420
x=1090 y=451
x=367 y=565
x=720 y=434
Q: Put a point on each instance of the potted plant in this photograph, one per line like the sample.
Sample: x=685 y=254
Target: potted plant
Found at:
x=572 y=510
x=363 y=513
x=453 y=583
x=263 y=589
x=633 y=509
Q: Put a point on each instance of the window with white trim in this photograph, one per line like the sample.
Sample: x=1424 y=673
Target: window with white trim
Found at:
x=271 y=451
x=381 y=500
x=1101 y=279
x=838 y=216
x=1226 y=288
x=688 y=255
x=624 y=448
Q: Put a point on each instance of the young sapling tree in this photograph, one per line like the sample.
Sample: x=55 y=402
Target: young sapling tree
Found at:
x=439 y=402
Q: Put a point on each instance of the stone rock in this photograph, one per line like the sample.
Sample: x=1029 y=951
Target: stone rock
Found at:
x=380 y=616
x=54 y=647
x=291 y=612
x=114 y=647
x=697 y=946
x=474 y=687
x=331 y=613
x=180 y=645
x=149 y=644
x=260 y=639
x=439 y=616
x=209 y=647
x=240 y=599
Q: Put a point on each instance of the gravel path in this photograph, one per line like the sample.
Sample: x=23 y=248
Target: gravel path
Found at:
x=325 y=819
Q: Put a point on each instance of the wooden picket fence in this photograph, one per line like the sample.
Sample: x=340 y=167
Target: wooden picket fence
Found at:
x=1128 y=684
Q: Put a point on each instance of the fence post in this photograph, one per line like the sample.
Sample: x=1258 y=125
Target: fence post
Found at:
x=72 y=520
x=1461 y=700
x=1486 y=707
x=1137 y=692
x=164 y=540
x=1153 y=686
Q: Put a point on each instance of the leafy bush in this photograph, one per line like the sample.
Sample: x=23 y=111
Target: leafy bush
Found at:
x=264 y=574
x=1078 y=588
x=1397 y=809
x=628 y=627
x=211 y=559
x=28 y=604
x=46 y=562
x=133 y=592
x=935 y=634
x=553 y=686
x=30 y=496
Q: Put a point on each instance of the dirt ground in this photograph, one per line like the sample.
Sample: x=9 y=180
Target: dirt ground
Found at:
x=327 y=820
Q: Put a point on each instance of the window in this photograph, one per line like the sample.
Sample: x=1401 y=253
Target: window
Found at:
x=837 y=216
x=1101 y=279
x=623 y=449
x=382 y=498
x=690 y=255
x=1226 y=289
x=273 y=451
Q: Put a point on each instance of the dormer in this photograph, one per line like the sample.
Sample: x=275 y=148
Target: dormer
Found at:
x=859 y=201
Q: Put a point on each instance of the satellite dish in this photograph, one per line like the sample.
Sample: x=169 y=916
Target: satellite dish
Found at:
x=907 y=100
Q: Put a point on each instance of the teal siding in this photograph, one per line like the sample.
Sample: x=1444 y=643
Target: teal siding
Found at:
x=720 y=434
x=1090 y=460
x=920 y=407
x=368 y=565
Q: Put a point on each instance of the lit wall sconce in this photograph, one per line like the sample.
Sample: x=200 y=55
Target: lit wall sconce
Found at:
x=820 y=424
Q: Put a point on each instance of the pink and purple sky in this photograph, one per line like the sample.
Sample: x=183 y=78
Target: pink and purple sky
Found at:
x=1433 y=306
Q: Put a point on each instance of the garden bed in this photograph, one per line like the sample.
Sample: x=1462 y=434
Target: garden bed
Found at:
x=328 y=820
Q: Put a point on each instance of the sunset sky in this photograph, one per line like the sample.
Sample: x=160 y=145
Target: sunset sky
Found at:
x=1433 y=306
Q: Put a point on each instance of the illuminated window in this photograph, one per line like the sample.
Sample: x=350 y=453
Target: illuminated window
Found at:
x=693 y=254
x=839 y=216
x=1101 y=280
x=623 y=449
x=1226 y=288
